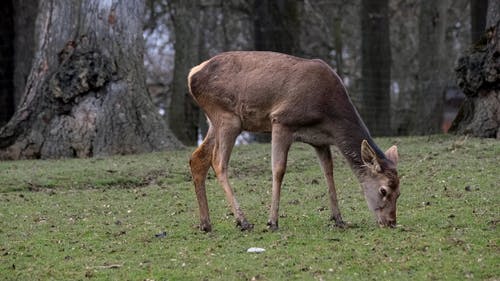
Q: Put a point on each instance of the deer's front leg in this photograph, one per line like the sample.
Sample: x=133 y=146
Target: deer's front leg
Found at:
x=325 y=159
x=281 y=140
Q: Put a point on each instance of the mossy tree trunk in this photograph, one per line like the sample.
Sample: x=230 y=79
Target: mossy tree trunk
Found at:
x=86 y=94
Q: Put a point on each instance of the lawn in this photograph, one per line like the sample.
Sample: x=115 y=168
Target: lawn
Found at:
x=135 y=218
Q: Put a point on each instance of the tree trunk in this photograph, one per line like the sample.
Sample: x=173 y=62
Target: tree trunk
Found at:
x=478 y=76
x=276 y=26
x=375 y=107
x=493 y=14
x=86 y=94
x=6 y=62
x=429 y=99
x=25 y=40
x=478 y=11
x=322 y=24
x=184 y=113
x=337 y=35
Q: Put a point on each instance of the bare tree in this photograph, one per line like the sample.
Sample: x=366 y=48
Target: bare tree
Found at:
x=86 y=93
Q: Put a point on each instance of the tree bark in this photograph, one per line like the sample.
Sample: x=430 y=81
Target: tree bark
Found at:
x=429 y=98
x=86 y=95
x=6 y=62
x=493 y=14
x=375 y=107
x=25 y=12
x=478 y=12
x=478 y=75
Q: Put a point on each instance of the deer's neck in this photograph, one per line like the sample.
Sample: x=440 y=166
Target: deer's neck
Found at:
x=349 y=144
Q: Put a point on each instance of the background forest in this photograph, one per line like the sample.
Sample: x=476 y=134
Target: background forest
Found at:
x=74 y=75
x=405 y=85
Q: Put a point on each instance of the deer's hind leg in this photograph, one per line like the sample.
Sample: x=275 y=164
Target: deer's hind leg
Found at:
x=228 y=127
x=282 y=138
x=200 y=163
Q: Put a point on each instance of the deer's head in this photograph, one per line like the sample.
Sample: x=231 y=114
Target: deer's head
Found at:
x=380 y=183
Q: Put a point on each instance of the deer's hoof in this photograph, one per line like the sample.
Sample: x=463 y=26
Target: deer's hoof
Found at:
x=273 y=226
x=244 y=225
x=206 y=227
x=339 y=222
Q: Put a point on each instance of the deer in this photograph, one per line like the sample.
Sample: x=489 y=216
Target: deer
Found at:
x=295 y=99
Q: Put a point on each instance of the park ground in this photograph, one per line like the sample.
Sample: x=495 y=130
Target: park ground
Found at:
x=135 y=218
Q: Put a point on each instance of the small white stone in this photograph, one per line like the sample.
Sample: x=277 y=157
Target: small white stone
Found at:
x=256 y=250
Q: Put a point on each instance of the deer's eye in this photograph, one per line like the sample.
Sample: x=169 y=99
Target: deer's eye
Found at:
x=383 y=191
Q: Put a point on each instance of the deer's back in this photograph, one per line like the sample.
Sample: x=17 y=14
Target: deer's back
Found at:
x=266 y=87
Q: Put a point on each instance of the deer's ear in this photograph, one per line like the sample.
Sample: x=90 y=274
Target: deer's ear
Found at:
x=392 y=154
x=369 y=157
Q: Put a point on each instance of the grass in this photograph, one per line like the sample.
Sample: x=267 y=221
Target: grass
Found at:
x=135 y=218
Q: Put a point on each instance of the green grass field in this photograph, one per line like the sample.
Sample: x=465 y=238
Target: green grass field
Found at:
x=136 y=217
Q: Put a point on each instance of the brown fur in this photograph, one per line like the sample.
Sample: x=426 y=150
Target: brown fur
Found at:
x=294 y=99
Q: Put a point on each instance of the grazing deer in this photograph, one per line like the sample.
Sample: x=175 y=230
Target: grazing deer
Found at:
x=294 y=99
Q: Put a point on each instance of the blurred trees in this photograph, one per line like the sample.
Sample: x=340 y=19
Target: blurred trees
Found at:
x=405 y=76
x=429 y=98
x=332 y=30
x=277 y=24
x=375 y=106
